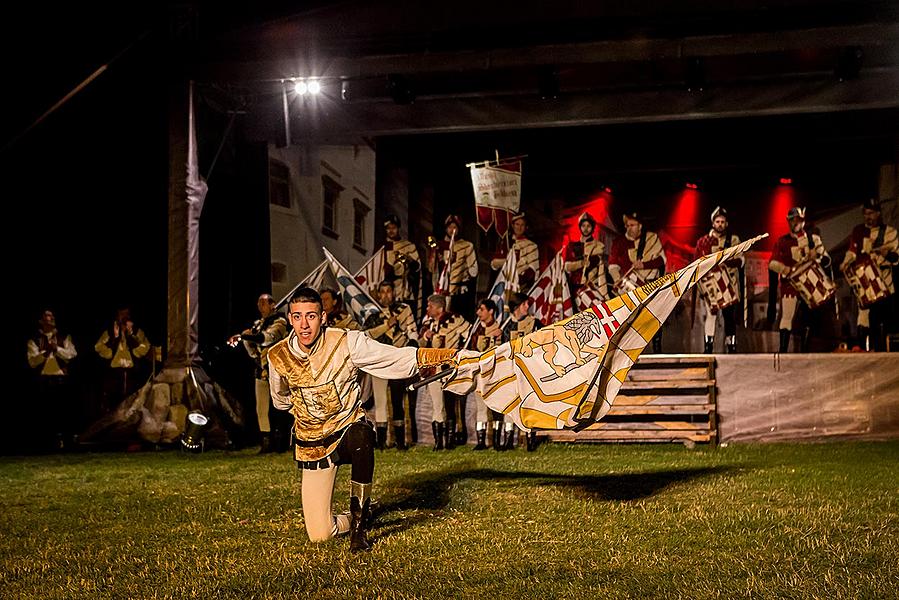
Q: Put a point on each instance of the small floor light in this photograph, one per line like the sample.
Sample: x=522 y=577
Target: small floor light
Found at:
x=192 y=438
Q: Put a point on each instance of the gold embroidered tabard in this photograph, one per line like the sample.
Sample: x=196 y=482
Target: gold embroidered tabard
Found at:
x=324 y=390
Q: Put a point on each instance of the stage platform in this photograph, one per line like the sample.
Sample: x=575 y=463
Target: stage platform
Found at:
x=764 y=398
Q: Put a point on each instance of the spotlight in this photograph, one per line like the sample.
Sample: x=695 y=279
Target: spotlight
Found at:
x=346 y=91
x=607 y=190
x=786 y=181
x=692 y=186
x=548 y=83
x=314 y=87
x=400 y=89
x=849 y=63
x=192 y=438
x=300 y=87
x=694 y=77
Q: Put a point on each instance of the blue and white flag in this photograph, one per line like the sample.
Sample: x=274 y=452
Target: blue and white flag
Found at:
x=505 y=284
x=356 y=299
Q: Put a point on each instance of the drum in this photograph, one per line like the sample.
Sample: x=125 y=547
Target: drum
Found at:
x=866 y=280
x=719 y=289
x=812 y=283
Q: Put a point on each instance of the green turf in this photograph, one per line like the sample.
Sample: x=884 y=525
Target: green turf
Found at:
x=762 y=521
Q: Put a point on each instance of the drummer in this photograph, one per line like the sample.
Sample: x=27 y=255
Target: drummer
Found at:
x=793 y=250
x=637 y=257
x=879 y=242
x=717 y=239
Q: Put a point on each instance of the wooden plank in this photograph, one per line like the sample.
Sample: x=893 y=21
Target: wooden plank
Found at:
x=667 y=385
x=667 y=374
x=675 y=359
x=649 y=426
x=631 y=436
x=660 y=399
x=684 y=409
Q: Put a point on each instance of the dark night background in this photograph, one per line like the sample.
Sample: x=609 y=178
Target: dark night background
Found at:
x=86 y=189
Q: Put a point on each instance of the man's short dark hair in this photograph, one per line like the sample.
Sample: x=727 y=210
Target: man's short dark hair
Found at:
x=489 y=305
x=517 y=300
x=306 y=294
x=385 y=283
x=438 y=299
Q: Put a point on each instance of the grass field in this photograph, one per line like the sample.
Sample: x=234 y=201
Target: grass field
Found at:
x=766 y=521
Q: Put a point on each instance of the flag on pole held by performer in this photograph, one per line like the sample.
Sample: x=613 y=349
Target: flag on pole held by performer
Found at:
x=314 y=280
x=566 y=375
x=497 y=193
x=550 y=295
x=442 y=286
x=356 y=299
x=371 y=274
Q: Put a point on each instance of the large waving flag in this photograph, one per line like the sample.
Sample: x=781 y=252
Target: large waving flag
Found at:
x=550 y=295
x=356 y=299
x=314 y=279
x=566 y=375
x=371 y=274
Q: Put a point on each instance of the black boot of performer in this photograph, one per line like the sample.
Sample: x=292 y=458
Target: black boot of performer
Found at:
x=265 y=446
x=450 y=438
x=437 y=428
x=360 y=513
x=509 y=438
x=532 y=440
x=413 y=424
x=497 y=435
x=709 y=344
x=804 y=339
x=784 y=340
x=863 y=333
x=730 y=344
x=481 y=433
x=399 y=435
x=381 y=430
x=462 y=431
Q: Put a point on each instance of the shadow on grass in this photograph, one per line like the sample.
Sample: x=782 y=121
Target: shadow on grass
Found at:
x=431 y=491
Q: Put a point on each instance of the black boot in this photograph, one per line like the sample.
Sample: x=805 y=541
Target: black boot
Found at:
x=450 y=439
x=709 y=344
x=863 y=333
x=265 y=446
x=482 y=438
x=399 y=435
x=509 y=439
x=497 y=435
x=784 y=340
x=381 y=431
x=462 y=430
x=532 y=440
x=437 y=428
x=360 y=513
x=730 y=344
x=804 y=339
x=413 y=424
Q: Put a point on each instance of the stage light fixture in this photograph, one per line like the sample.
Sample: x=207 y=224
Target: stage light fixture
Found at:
x=691 y=186
x=786 y=181
x=346 y=91
x=315 y=87
x=192 y=439
x=301 y=87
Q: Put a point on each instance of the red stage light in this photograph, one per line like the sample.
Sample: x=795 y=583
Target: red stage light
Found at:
x=684 y=224
x=786 y=181
x=692 y=186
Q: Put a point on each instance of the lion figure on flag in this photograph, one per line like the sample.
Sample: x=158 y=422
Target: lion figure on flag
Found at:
x=573 y=333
